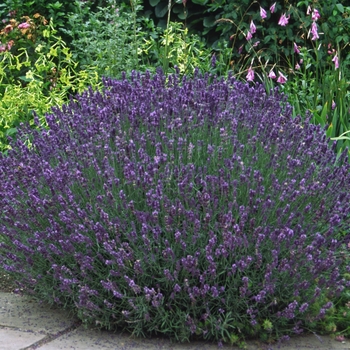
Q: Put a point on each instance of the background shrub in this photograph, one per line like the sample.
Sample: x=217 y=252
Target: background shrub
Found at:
x=175 y=47
x=201 y=16
x=117 y=38
x=106 y=38
x=19 y=40
x=185 y=208
x=34 y=80
x=51 y=9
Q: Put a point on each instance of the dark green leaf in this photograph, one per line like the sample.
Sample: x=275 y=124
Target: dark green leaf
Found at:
x=154 y=2
x=200 y=2
x=11 y=131
x=182 y=15
x=161 y=9
x=56 y=5
x=209 y=21
x=340 y=7
x=267 y=38
x=338 y=39
x=178 y=9
x=325 y=28
x=24 y=78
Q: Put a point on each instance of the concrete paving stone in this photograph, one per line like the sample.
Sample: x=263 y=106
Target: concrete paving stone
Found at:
x=24 y=313
x=86 y=339
x=311 y=341
x=13 y=339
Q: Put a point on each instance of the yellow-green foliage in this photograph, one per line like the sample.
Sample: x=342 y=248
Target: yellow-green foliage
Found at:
x=28 y=85
x=179 y=48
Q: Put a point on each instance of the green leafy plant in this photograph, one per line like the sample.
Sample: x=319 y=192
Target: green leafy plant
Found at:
x=311 y=72
x=16 y=37
x=180 y=51
x=165 y=11
x=47 y=81
x=176 y=48
x=107 y=39
x=26 y=29
x=53 y=9
x=334 y=23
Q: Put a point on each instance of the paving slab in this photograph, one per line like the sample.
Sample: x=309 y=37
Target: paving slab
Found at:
x=13 y=339
x=85 y=339
x=24 y=313
x=311 y=341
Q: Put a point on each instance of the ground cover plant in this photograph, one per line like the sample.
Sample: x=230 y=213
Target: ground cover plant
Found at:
x=191 y=208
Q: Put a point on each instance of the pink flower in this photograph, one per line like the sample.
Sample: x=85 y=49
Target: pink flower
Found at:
x=250 y=75
x=256 y=43
x=2 y=48
x=240 y=49
x=330 y=52
x=333 y=105
x=296 y=49
x=314 y=31
x=249 y=35
x=262 y=13
x=272 y=8
x=283 y=20
x=315 y=15
x=24 y=25
x=308 y=10
x=272 y=74
x=301 y=61
x=252 y=27
x=336 y=61
x=297 y=66
x=281 y=78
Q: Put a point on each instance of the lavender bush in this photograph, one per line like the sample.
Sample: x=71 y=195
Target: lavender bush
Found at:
x=188 y=208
